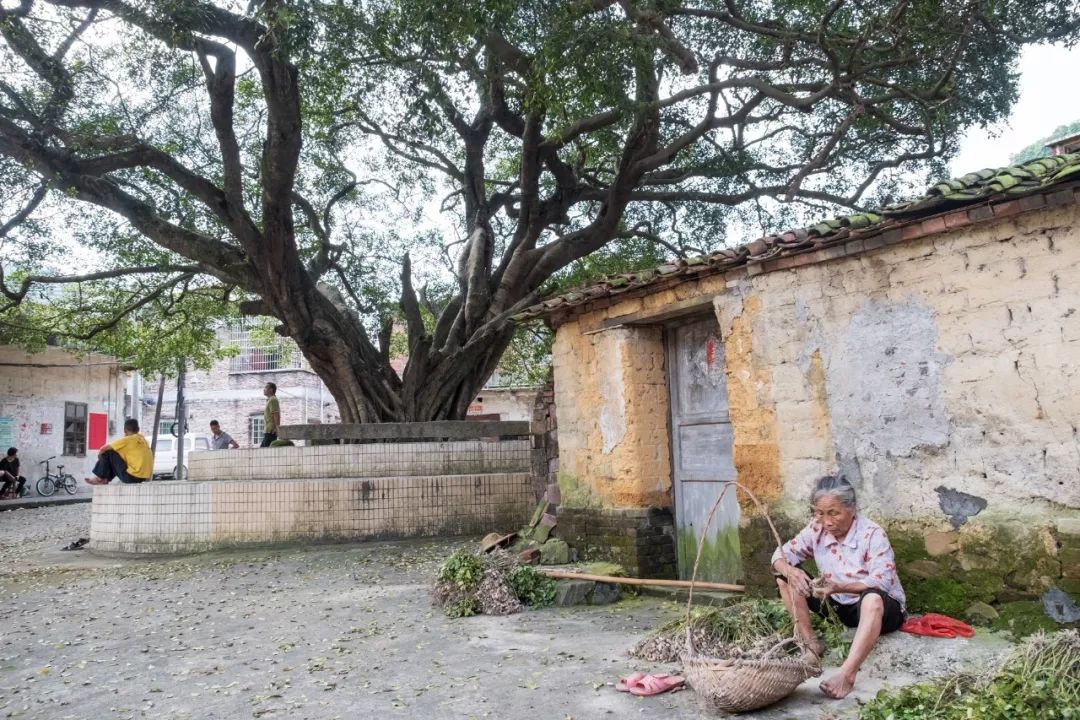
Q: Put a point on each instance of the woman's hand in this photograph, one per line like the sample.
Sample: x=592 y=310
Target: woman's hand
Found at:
x=826 y=588
x=797 y=580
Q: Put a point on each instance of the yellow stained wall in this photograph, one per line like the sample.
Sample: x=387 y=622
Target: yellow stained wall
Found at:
x=949 y=361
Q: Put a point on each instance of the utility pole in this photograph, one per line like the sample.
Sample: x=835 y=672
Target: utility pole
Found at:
x=181 y=427
x=157 y=413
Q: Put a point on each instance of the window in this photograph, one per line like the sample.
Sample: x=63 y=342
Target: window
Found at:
x=75 y=429
x=164 y=444
x=165 y=427
x=256 y=428
x=256 y=354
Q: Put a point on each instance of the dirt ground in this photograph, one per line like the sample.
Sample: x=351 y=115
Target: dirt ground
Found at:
x=344 y=631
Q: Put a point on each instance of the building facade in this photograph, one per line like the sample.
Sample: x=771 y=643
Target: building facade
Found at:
x=231 y=391
x=61 y=405
x=929 y=352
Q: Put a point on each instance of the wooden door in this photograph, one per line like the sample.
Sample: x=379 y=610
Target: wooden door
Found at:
x=701 y=443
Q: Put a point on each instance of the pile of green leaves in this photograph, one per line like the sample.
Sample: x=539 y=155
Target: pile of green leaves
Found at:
x=1039 y=680
x=734 y=627
x=468 y=583
x=532 y=587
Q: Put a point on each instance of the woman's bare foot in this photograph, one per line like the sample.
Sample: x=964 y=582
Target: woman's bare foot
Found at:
x=96 y=481
x=839 y=685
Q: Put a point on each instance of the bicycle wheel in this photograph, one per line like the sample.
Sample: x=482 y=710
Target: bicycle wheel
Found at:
x=70 y=484
x=46 y=486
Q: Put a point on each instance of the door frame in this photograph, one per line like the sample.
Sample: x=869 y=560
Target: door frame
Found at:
x=670 y=353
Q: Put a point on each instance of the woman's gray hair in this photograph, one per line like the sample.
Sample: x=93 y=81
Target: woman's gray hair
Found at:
x=837 y=485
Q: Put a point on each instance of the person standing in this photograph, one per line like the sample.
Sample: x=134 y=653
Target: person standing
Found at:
x=128 y=458
x=271 y=415
x=219 y=439
x=9 y=472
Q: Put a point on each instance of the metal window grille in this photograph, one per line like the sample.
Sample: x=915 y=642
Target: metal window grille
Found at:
x=75 y=429
x=256 y=430
x=256 y=356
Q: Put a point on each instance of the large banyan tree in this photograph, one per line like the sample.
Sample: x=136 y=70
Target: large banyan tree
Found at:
x=278 y=157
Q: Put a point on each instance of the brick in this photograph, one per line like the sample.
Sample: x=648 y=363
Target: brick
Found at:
x=1061 y=197
x=957 y=219
x=978 y=214
x=1032 y=202
x=910 y=232
x=1006 y=209
x=873 y=243
x=933 y=225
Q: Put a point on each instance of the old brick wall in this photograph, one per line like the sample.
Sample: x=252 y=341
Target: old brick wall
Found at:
x=941 y=374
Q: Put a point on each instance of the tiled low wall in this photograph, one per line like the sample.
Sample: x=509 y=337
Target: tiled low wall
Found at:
x=370 y=460
x=180 y=517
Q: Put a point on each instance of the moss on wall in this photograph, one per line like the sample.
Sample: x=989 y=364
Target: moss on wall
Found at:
x=576 y=494
x=720 y=556
x=945 y=571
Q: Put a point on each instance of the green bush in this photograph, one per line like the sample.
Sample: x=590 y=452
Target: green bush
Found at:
x=465 y=569
x=532 y=587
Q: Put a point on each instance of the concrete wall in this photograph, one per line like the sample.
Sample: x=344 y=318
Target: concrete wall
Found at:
x=35 y=395
x=364 y=461
x=508 y=403
x=179 y=517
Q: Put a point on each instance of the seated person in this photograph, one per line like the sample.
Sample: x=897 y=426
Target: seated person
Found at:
x=219 y=439
x=858 y=577
x=9 y=472
x=127 y=458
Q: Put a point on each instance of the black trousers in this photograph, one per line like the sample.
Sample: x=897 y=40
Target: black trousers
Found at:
x=9 y=482
x=267 y=439
x=891 y=620
x=110 y=465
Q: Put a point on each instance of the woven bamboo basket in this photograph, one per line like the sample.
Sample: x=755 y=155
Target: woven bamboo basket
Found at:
x=743 y=684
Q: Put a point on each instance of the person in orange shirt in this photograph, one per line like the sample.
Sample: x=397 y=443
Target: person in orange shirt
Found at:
x=128 y=458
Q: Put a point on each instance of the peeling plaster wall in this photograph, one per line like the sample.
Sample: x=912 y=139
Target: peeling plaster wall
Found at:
x=950 y=362
x=611 y=391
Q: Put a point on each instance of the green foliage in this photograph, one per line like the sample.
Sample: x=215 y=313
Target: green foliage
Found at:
x=465 y=607
x=1040 y=680
x=532 y=587
x=464 y=568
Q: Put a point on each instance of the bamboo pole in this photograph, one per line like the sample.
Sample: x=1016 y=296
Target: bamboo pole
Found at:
x=564 y=575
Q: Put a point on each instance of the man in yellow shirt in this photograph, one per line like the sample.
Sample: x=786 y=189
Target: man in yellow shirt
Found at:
x=127 y=458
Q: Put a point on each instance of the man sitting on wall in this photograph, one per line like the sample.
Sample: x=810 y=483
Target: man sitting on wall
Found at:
x=9 y=472
x=128 y=458
x=219 y=439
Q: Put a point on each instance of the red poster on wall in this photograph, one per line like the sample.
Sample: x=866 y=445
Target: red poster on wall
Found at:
x=97 y=430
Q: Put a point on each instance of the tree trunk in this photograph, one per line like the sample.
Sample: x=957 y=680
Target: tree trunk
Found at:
x=436 y=386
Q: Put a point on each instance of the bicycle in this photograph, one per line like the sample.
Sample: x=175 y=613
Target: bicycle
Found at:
x=51 y=482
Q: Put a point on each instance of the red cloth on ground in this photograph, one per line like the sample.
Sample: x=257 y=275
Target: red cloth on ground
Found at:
x=935 y=625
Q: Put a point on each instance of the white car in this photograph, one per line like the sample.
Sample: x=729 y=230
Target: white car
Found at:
x=165 y=457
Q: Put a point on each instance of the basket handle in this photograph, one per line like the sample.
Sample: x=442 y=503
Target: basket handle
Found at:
x=728 y=484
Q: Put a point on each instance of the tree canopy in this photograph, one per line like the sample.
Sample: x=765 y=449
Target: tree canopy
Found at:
x=332 y=165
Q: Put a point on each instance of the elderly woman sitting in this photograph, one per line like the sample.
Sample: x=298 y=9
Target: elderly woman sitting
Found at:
x=858 y=577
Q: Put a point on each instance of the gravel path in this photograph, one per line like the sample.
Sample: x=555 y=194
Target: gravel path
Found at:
x=322 y=632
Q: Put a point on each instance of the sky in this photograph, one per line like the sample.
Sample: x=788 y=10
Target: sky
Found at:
x=1048 y=99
